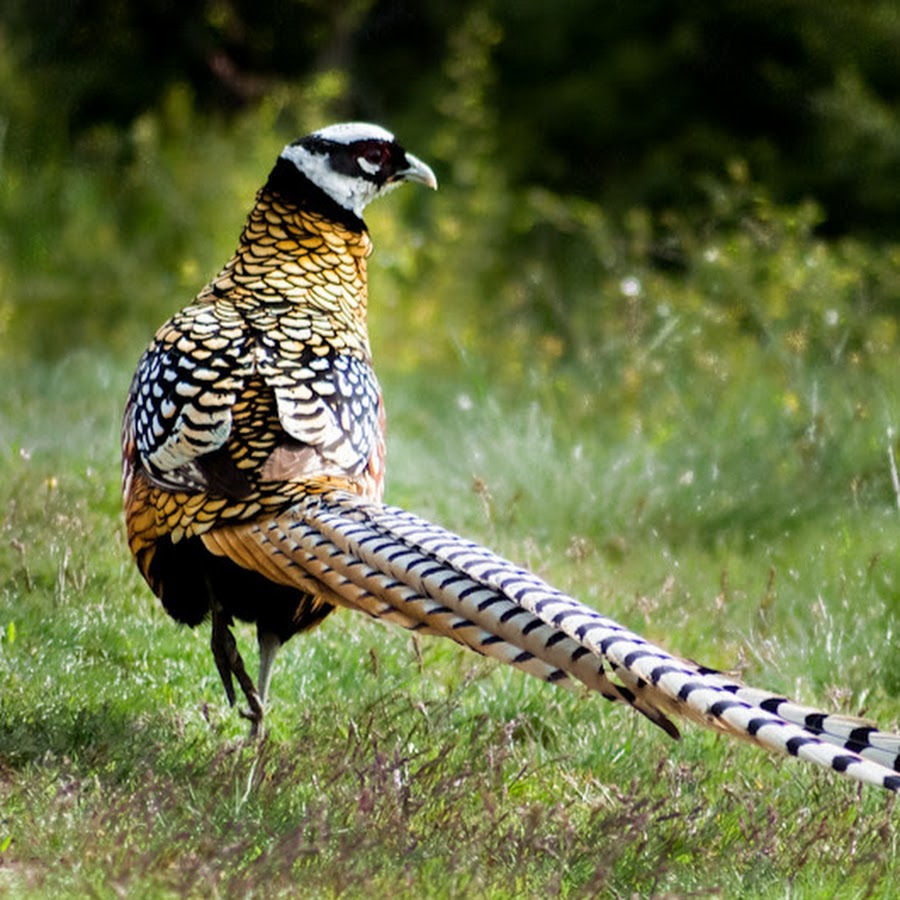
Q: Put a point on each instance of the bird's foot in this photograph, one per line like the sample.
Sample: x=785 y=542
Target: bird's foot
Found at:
x=231 y=665
x=254 y=714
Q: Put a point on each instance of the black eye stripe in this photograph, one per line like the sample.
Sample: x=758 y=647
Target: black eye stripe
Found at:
x=372 y=159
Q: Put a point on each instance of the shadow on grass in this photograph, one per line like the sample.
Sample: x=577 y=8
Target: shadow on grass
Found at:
x=87 y=738
x=100 y=797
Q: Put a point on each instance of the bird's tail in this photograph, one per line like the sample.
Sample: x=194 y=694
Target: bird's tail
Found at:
x=393 y=565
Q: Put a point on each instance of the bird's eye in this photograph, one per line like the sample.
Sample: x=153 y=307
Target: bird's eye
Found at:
x=372 y=158
x=375 y=154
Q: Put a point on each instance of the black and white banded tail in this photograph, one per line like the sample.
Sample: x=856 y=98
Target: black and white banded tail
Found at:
x=393 y=565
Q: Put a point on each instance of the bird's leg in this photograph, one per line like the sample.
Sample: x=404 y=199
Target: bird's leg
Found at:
x=229 y=662
x=221 y=641
x=269 y=645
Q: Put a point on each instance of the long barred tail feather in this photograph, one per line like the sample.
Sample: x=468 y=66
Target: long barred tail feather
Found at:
x=396 y=566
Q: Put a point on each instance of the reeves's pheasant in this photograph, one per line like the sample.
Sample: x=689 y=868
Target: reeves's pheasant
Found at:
x=253 y=447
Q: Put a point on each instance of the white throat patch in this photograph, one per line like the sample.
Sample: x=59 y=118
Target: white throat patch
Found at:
x=350 y=193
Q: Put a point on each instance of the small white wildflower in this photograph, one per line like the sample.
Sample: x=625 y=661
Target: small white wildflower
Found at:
x=630 y=286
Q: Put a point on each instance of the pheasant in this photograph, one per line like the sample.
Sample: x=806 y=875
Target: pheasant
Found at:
x=253 y=470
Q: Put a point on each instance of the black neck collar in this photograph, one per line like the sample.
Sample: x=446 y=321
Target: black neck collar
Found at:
x=294 y=187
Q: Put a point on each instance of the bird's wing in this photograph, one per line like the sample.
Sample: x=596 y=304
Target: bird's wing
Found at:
x=201 y=379
x=179 y=409
x=329 y=404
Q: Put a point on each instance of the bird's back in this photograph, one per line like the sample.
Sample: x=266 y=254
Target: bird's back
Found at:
x=260 y=391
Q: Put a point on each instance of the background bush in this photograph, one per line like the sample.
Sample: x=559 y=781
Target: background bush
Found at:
x=133 y=137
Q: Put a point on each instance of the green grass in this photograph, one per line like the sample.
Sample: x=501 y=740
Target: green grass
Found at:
x=401 y=769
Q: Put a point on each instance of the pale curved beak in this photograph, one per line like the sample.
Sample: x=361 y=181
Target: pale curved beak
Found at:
x=416 y=170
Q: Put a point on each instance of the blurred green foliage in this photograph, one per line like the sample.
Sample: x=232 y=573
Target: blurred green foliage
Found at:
x=609 y=177
x=623 y=103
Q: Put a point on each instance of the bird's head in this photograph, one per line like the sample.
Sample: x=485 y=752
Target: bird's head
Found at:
x=355 y=162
